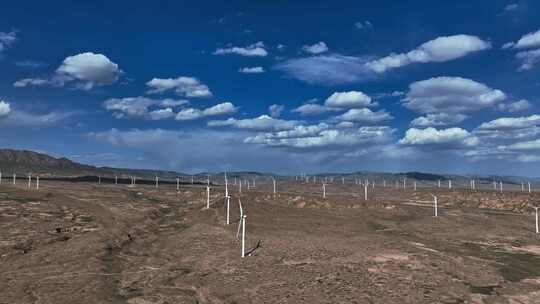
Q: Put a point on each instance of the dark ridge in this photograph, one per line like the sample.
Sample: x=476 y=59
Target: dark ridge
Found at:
x=424 y=176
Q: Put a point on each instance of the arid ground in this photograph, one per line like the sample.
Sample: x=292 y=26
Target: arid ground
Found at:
x=90 y=243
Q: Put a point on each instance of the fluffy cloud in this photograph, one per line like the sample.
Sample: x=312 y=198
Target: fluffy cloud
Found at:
x=449 y=138
x=509 y=123
x=261 y=123
x=317 y=137
x=451 y=95
x=317 y=48
x=526 y=145
x=516 y=106
x=441 y=49
x=84 y=71
x=275 y=110
x=252 y=70
x=528 y=59
x=219 y=109
x=298 y=131
x=5 y=109
x=184 y=86
x=161 y=114
x=327 y=70
x=351 y=99
x=90 y=68
x=6 y=39
x=254 y=50
x=139 y=107
x=440 y=119
x=38 y=82
x=336 y=69
x=530 y=40
x=506 y=130
x=313 y=109
x=364 y=116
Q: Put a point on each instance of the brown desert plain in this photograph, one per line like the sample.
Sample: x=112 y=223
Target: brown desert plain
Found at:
x=104 y=243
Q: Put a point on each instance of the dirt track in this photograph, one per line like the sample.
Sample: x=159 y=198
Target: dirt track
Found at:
x=88 y=243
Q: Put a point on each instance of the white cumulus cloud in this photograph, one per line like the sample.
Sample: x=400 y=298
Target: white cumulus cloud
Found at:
x=5 y=109
x=452 y=137
x=317 y=48
x=350 y=99
x=440 y=49
x=364 y=116
x=261 y=123
x=451 y=95
x=219 y=109
x=84 y=71
x=252 y=70
x=530 y=40
x=516 y=106
x=439 y=119
x=183 y=86
x=140 y=107
x=254 y=50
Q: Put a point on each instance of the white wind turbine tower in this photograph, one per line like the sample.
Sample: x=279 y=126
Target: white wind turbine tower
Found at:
x=177 y=184
x=14 y=178
x=449 y=184
x=37 y=182
x=208 y=192
x=414 y=185
x=227 y=198
x=240 y=187
x=435 y=207
x=241 y=217
x=29 y=180
x=365 y=191
x=274 y=182
x=536 y=217
x=157 y=182
x=522 y=187
x=116 y=179
x=384 y=183
x=500 y=186
x=244 y=235
x=324 y=190
x=495 y=185
x=439 y=183
x=528 y=183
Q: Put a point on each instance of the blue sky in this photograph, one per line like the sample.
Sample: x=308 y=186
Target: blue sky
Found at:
x=275 y=86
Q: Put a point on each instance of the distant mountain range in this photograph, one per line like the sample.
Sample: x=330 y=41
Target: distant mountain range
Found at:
x=22 y=162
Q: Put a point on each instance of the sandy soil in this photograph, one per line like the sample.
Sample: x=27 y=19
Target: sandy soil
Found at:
x=89 y=243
